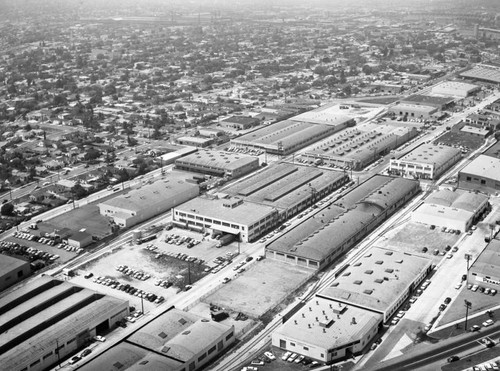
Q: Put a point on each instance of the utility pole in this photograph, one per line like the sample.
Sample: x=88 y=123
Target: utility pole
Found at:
x=468 y=305
x=142 y=305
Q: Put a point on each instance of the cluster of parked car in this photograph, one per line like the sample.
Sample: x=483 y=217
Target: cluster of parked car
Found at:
x=484 y=290
x=175 y=239
x=297 y=358
x=30 y=252
x=129 y=289
x=248 y=151
x=137 y=274
x=163 y=283
x=48 y=241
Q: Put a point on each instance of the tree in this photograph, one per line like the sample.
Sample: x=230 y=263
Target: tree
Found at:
x=7 y=209
x=78 y=191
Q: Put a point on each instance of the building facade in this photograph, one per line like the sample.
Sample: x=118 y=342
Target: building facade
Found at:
x=12 y=271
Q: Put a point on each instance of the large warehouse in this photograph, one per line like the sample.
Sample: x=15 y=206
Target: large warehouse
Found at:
x=287 y=187
x=481 y=173
x=342 y=319
x=175 y=341
x=218 y=163
x=414 y=111
x=483 y=72
x=455 y=89
x=287 y=136
x=222 y=213
x=349 y=219
x=452 y=209
x=49 y=314
x=153 y=199
x=485 y=271
x=12 y=270
x=355 y=148
x=427 y=161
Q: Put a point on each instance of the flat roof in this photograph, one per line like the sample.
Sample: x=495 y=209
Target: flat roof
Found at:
x=245 y=213
x=9 y=264
x=484 y=167
x=333 y=114
x=128 y=356
x=160 y=331
x=455 y=85
x=194 y=139
x=488 y=262
x=415 y=107
x=241 y=120
x=377 y=280
x=285 y=133
x=431 y=154
x=283 y=185
x=329 y=324
x=147 y=196
x=217 y=159
x=427 y=100
x=187 y=344
x=474 y=130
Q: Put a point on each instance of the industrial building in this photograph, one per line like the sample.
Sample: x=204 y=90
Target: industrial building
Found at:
x=196 y=141
x=48 y=319
x=287 y=187
x=483 y=72
x=455 y=89
x=485 y=270
x=12 y=270
x=218 y=163
x=457 y=209
x=414 y=111
x=343 y=318
x=355 y=148
x=326 y=330
x=287 y=136
x=349 y=219
x=429 y=100
x=226 y=214
x=240 y=122
x=175 y=341
x=428 y=161
x=481 y=173
x=141 y=204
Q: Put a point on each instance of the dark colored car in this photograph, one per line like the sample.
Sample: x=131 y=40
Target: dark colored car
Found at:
x=453 y=359
x=447 y=300
x=86 y=352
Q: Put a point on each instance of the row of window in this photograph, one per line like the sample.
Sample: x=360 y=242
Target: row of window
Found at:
x=35 y=363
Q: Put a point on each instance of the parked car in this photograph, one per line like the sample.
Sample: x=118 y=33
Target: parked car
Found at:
x=73 y=360
x=488 y=322
x=285 y=356
x=453 y=359
x=86 y=352
x=100 y=338
x=270 y=356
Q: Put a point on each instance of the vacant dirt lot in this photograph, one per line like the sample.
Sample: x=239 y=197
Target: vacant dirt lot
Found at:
x=261 y=287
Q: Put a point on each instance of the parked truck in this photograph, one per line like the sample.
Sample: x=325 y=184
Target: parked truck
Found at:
x=226 y=240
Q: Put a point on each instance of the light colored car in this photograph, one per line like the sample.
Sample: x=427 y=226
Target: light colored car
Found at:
x=488 y=323
x=292 y=357
x=286 y=355
x=100 y=338
x=270 y=356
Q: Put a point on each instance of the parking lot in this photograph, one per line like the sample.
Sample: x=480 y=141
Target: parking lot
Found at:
x=142 y=268
x=269 y=281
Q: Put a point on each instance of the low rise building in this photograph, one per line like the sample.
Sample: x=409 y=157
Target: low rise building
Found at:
x=80 y=239
x=452 y=209
x=287 y=136
x=481 y=173
x=48 y=319
x=455 y=89
x=175 y=341
x=349 y=219
x=343 y=318
x=222 y=213
x=427 y=161
x=412 y=111
x=153 y=199
x=196 y=141
x=12 y=271
x=485 y=270
x=287 y=187
x=218 y=163
x=240 y=122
